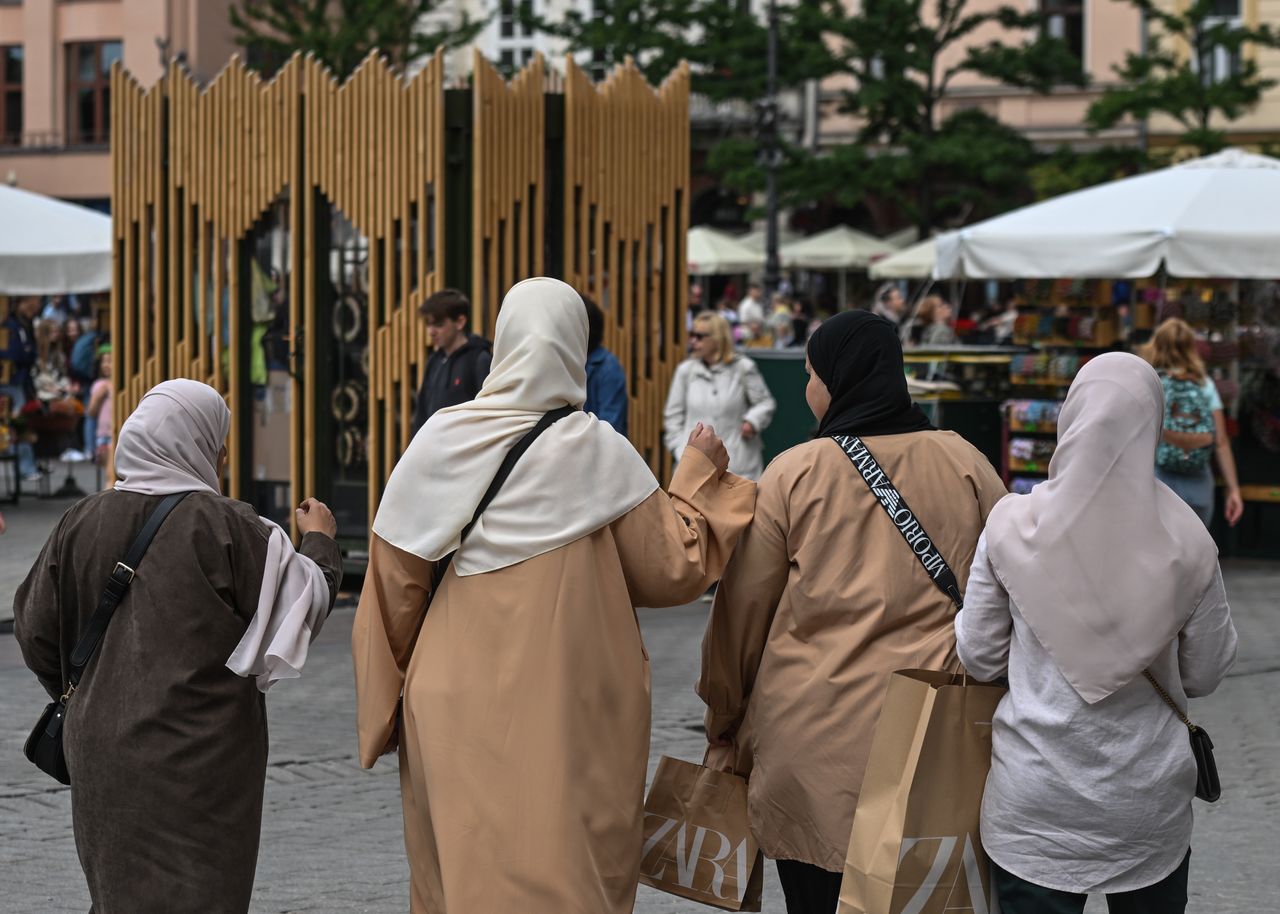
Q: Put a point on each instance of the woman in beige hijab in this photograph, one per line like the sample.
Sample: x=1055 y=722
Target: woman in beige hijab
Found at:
x=166 y=734
x=520 y=700
x=1098 y=575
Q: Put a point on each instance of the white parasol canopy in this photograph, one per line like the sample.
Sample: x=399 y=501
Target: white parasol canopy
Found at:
x=1213 y=217
x=711 y=252
x=839 y=248
x=916 y=262
x=48 y=247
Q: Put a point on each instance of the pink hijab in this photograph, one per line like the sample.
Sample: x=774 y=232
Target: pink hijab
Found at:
x=1104 y=562
x=170 y=443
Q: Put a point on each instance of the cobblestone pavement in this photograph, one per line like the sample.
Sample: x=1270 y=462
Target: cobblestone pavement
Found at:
x=331 y=832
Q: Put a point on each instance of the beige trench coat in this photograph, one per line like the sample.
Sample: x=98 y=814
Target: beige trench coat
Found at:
x=526 y=702
x=822 y=601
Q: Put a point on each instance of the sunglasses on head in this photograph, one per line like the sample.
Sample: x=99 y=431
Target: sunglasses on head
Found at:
x=695 y=335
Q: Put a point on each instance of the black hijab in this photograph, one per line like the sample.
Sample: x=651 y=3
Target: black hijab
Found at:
x=858 y=356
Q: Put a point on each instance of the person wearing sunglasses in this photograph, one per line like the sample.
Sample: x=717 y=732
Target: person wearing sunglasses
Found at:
x=719 y=388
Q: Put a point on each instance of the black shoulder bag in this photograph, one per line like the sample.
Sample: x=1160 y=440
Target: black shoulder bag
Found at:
x=508 y=464
x=44 y=745
x=903 y=517
x=1208 y=787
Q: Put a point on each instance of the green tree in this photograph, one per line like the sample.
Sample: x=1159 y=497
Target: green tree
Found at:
x=342 y=33
x=905 y=56
x=1180 y=73
x=724 y=43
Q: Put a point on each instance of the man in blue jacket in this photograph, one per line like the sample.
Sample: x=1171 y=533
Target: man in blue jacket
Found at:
x=606 y=381
x=18 y=338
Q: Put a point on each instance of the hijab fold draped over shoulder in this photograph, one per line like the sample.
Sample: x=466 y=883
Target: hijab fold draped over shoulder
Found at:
x=170 y=444
x=1104 y=562
x=539 y=364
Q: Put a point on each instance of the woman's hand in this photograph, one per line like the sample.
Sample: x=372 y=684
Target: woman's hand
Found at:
x=1234 y=507
x=314 y=516
x=748 y=431
x=704 y=439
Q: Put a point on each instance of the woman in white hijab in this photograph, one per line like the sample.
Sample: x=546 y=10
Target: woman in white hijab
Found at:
x=524 y=729
x=166 y=734
x=1099 y=575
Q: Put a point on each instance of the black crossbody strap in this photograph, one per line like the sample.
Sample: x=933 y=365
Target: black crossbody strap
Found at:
x=904 y=519
x=508 y=464
x=117 y=585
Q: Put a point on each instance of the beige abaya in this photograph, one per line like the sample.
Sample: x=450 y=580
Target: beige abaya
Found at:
x=525 y=729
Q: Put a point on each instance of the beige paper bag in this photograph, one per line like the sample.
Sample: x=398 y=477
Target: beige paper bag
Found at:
x=914 y=848
x=697 y=838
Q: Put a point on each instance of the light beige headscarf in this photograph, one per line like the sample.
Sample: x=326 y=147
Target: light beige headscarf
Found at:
x=578 y=477
x=1104 y=562
x=169 y=444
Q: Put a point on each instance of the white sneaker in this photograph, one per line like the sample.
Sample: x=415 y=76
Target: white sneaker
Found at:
x=71 y=455
x=34 y=477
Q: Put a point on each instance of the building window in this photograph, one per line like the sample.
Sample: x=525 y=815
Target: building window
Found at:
x=89 y=91
x=516 y=42
x=1064 y=20
x=1214 y=62
x=11 y=95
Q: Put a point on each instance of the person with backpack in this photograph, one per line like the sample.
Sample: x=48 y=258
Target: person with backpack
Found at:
x=1195 y=430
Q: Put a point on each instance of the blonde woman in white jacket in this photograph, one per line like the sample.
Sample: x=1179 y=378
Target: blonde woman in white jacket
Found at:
x=719 y=388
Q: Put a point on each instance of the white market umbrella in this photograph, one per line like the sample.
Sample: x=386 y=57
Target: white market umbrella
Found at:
x=839 y=248
x=48 y=247
x=755 y=239
x=710 y=252
x=915 y=262
x=1213 y=217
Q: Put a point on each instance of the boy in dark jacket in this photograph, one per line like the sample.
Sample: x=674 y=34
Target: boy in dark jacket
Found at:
x=459 y=360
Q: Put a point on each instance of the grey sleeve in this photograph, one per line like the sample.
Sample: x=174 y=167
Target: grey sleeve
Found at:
x=761 y=402
x=1207 y=643
x=984 y=628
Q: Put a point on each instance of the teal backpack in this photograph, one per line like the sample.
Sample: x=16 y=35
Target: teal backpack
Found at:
x=1187 y=408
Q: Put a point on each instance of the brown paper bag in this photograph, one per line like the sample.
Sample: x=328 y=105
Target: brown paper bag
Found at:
x=697 y=838
x=914 y=848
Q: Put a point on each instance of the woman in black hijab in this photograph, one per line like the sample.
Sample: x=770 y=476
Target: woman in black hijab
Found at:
x=824 y=599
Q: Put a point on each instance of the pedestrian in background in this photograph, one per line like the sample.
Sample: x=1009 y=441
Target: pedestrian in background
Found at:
x=717 y=387
x=101 y=412
x=606 y=381
x=1098 y=577
x=459 y=360
x=823 y=600
x=932 y=325
x=751 y=308
x=166 y=734
x=520 y=702
x=21 y=352
x=1195 y=427
x=889 y=303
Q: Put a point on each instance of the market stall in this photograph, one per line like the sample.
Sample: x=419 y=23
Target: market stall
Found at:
x=47 y=247
x=840 y=250
x=1105 y=265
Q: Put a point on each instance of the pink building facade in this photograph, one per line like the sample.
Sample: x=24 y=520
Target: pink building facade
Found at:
x=55 y=63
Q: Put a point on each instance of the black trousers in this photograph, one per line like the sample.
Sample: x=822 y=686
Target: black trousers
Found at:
x=1017 y=896
x=807 y=888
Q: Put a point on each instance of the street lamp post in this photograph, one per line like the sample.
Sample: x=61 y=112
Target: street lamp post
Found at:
x=769 y=151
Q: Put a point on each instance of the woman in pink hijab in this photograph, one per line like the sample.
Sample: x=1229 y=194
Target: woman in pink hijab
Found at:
x=1099 y=575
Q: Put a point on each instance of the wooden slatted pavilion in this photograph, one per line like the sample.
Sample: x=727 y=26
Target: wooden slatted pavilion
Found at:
x=275 y=239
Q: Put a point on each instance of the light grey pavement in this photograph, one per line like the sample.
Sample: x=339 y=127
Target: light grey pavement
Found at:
x=331 y=838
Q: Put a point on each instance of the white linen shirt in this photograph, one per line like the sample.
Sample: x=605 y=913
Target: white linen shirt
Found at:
x=1088 y=798
x=722 y=396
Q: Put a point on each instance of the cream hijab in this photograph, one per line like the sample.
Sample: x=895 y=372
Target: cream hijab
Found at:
x=169 y=444
x=578 y=477
x=1104 y=562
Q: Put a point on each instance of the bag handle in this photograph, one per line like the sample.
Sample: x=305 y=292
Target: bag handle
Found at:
x=508 y=464
x=117 y=586
x=1160 y=690
x=904 y=519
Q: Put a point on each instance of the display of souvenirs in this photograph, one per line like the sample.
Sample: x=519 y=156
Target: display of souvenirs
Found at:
x=1030 y=434
x=1022 y=485
x=1033 y=415
x=1045 y=369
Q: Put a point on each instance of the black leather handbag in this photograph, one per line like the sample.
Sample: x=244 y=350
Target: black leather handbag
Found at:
x=1208 y=788
x=44 y=745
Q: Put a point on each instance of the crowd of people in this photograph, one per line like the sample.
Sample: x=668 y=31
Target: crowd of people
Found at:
x=56 y=390
x=497 y=652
